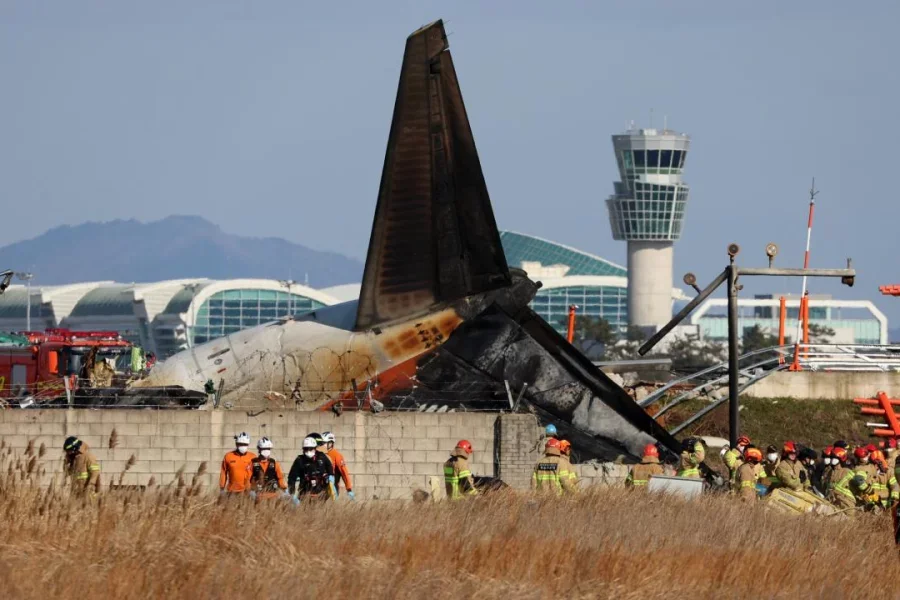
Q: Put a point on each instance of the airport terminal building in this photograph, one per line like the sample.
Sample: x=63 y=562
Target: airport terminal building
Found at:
x=166 y=317
x=163 y=317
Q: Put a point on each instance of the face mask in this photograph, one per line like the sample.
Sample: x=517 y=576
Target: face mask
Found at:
x=772 y=457
x=309 y=453
x=242 y=449
x=265 y=453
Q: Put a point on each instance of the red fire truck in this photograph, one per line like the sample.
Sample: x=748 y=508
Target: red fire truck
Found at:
x=37 y=364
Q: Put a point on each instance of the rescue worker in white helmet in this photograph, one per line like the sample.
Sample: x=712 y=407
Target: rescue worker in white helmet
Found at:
x=322 y=450
x=341 y=472
x=310 y=474
x=234 y=476
x=266 y=477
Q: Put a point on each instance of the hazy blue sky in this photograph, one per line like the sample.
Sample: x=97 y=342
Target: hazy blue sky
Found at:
x=270 y=118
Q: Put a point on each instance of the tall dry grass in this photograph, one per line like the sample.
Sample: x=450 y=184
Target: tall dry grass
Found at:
x=175 y=542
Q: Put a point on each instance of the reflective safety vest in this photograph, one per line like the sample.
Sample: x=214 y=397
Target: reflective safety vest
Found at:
x=546 y=477
x=690 y=462
x=640 y=474
x=458 y=479
x=843 y=486
x=732 y=461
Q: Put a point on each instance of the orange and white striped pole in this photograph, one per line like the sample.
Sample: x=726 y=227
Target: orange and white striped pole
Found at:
x=804 y=292
x=782 y=313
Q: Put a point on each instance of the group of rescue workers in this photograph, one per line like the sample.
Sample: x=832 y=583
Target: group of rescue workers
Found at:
x=848 y=477
x=316 y=474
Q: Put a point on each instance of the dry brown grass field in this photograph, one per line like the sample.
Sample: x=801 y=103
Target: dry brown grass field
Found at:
x=605 y=543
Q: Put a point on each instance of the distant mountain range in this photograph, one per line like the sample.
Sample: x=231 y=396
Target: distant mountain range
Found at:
x=172 y=248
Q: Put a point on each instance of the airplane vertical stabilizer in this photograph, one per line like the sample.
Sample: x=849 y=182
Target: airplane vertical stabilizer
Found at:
x=434 y=238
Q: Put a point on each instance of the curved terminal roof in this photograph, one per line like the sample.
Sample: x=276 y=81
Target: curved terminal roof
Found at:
x=106 y=300
x=522 y=248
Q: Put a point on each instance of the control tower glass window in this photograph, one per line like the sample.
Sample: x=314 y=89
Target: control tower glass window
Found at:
x=665 y=159
x=640 y=159
x=652 y=159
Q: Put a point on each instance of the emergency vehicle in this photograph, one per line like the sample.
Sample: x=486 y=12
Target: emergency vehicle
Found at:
x=37 y=364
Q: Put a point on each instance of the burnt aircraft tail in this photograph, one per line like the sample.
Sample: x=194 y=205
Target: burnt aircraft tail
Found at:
x=434 y=238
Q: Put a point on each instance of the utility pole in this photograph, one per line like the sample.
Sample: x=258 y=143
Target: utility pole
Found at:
x=289 y=283
x=27 y=277
x=731 y=274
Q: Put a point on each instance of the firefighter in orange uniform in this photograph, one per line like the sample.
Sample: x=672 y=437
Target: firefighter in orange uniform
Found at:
x=234 y=477
x=341 y=472
x=266 y=477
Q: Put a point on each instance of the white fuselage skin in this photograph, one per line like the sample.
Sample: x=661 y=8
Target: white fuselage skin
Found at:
x=313 y=358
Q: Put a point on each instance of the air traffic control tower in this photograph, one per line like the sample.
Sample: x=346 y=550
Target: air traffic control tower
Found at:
x=647 y=211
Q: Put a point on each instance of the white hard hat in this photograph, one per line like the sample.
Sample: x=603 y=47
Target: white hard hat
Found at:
x=328 y=437
x=264 y=443
x=309 y=443
x=242 y=439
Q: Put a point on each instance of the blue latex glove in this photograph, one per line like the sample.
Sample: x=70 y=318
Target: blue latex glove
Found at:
x=222 y=492
x=331 y=479
x=253 y=495
x=296 y=501
x=351 y=495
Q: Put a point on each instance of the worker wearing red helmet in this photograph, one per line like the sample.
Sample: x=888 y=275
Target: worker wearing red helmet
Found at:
x=748 y=474
x=884 y=483
x=547 y=472
x=864 y=467
x=790 y=472
x=458 y=480
x=842 y=493
x=640 y=474
x=567 y=471
x=734 y=456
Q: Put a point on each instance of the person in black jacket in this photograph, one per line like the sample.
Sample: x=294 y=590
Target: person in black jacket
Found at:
x=311 y=475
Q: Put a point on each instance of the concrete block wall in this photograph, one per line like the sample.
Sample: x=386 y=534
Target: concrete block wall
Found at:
x=835 y=385
x=390 y=454
x=520 y=442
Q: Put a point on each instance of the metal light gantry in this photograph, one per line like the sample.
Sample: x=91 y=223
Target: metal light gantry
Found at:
x=731 y=274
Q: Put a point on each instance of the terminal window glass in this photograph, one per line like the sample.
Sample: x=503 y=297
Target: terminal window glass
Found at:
x=233 y=310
